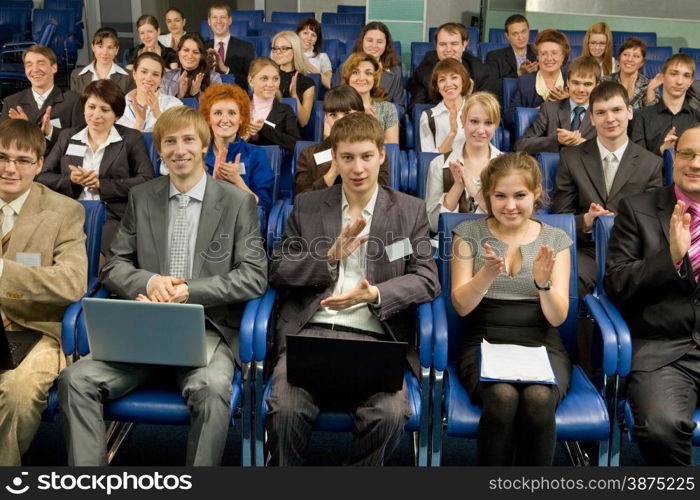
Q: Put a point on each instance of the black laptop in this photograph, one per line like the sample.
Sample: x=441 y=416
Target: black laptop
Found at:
x=14 y=346
x=344 y=369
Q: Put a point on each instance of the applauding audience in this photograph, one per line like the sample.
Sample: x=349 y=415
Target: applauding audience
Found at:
x=287 y=53
x=641 y=90
x=105 y=45
x=193 y=73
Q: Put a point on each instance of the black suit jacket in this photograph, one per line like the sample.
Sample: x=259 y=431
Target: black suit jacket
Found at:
x=239 y=53
x=541 y=137
x=662 y=309
x=285 y=132
x=580 y=181
x=65 y=106
x=419 y=83
x=502 y=63
x=124 y=165
x=299 y=262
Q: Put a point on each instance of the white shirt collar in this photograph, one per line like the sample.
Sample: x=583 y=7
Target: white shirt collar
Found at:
x=224 y=39
x=18 y=202
x=115 y=69
x=604 y=151
x=197 y=191
x=43 y=96
x=113 y=136
x=573 y=105
x=368 y=210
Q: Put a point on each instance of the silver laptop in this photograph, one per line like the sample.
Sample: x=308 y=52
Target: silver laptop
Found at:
x=148 y=332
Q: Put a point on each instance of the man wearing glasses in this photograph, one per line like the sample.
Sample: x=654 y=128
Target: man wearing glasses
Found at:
x=43 y=269
x=653 y=271
x=229 y=55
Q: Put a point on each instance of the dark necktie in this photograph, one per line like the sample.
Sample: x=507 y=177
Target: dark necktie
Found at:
x=578 y=116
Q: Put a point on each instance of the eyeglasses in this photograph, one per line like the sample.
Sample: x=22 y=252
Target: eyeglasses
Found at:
x=545 y=55
x=687 y=154
x=598 y=44
x=281 y=50
x=19 y=162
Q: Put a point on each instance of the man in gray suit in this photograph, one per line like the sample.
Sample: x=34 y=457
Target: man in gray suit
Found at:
x=594 y=177
x=184 y=237
x=565 y=122
x=354 y=261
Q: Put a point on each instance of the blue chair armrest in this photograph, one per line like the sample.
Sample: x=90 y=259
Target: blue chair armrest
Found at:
x=272 y=223
x=425 y=334
x=408 y=131
x=395 y=180
x=439 y=334
x=14 y=45
x=413 y=174
x=607 y=332
x=68 y=327
x=247 y=330
x=262 y=323
x=624 y=338
x=82 y=345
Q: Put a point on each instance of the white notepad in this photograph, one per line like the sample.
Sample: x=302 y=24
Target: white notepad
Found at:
x=515 y=363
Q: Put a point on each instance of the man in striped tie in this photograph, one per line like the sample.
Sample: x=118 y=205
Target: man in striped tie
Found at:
x=653 y=273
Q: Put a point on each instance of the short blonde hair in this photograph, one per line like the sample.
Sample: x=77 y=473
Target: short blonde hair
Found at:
x=177 y=118
x=488 y=101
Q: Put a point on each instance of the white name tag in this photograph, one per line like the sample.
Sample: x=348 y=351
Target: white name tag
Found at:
x=241 y=168
x=270 y=124
x=399 y=249
x=56 y=122
x=76 y=150
x=29 y=259
x=323 y=157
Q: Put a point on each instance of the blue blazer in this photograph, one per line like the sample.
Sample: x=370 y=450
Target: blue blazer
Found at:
x=525 y=97
x=258 y=174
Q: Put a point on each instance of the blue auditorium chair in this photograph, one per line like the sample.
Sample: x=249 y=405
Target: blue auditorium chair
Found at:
x=274 y=158
x=269 y=30
x=191 y=102
x=95 y=215
x=509 y=86
x=624 y=418
x=343 y=18
x=581 y=416
x=549 y=163
x=413 y=139
x=253 y=17
x=334 y=49
x=619 y=37
x=291 y=17
x=418 y=51
x=668 y=167
x=575 y=37
x=228 y=78
x=424 y=160
x=651 y=68
x=576 y=51
x=152 y=152
x=261 y=45
x=501 y=139
x=660 y=53
x=524 y=118
x=346 y=33
x=485 y=47
x=13 y=23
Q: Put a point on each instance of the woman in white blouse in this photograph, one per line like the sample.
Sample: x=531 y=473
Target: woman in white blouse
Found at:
x=441 y=129
x=146 y=103
x=175 y=21
x=309 y=31
x=453 y=179
x=101 y=161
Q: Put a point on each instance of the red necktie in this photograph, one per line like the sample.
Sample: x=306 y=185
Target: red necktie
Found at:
x=694 y=250
x=221 y=51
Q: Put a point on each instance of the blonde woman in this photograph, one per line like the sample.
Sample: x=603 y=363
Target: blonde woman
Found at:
x=287 y=53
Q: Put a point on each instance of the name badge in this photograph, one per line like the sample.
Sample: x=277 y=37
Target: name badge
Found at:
x=76 y=150
x=56 y=122
x=241 y=168
x=270 y=124
x=399 y=249
x=29 y=259
x=323 y=157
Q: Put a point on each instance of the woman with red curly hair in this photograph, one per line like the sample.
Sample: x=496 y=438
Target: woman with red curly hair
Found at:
x=229 y=158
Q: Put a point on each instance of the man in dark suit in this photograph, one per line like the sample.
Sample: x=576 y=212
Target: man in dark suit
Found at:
x=229 y=55
x=652 y=274
x=519 y=58
x=451 y=40
x=565 y=122
x=44 y=104
x=355 y=260
x=594 y=177
x=184 y=236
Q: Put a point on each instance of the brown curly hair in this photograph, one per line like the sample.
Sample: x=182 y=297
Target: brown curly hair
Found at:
x=353 y=61
x=226 y=92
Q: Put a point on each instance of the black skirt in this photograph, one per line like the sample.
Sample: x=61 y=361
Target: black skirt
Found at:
x=519 y=322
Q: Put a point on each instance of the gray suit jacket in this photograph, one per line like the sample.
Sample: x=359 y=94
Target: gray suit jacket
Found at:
x=541 y=137
x=229 y=264
x=299 y=262
x=580 y=180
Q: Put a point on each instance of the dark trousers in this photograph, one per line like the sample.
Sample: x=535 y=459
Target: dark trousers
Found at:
x=292 y=410
x=663 y=402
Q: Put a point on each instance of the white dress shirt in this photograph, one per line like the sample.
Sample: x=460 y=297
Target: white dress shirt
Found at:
x=434 y=193
x=351 y=271
x=128 y=119
x=93 y=159
x=115 y=69
x=441 y=115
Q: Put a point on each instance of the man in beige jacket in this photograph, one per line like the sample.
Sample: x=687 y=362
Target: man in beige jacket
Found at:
x=43 y=268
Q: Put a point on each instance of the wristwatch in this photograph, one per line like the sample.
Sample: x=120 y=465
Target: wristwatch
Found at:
x=547 y=286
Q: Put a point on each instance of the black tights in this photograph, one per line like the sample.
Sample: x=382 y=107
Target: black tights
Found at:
x=517 y=419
